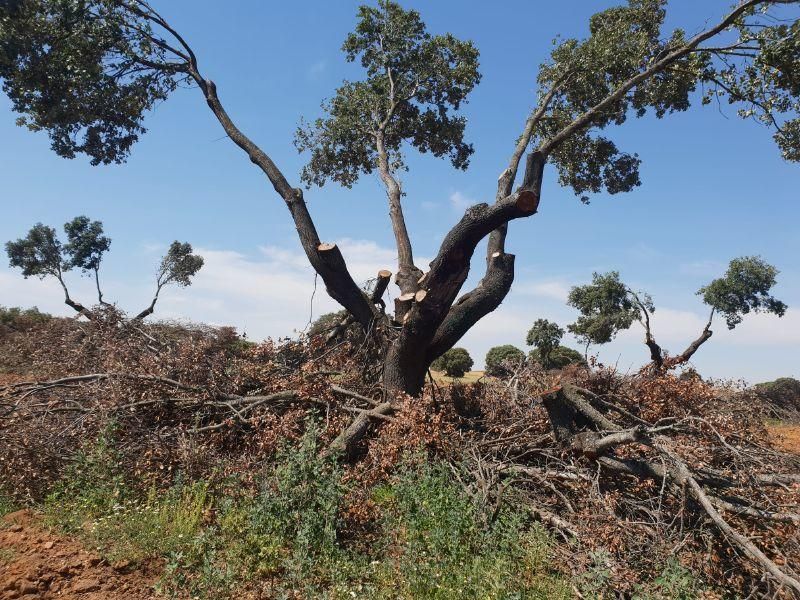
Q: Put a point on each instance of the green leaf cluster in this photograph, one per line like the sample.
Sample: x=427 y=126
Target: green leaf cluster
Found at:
x=414 y=82
x=743 y=289
x=545 y=336
x=81 y=70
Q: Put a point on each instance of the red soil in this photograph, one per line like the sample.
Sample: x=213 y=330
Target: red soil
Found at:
x=786 y=436
x=38 y=564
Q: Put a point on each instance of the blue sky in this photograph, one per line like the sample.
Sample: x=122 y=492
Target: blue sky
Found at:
x=714 y=187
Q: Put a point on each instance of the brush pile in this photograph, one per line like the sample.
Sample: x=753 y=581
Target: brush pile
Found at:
x=626 y=470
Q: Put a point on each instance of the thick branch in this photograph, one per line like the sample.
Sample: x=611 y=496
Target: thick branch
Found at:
x=325 y=258
x=684 y=476
x=407 y=273
x=505 y=183
x=474 y=305
x=695 y=345
x=656 y=354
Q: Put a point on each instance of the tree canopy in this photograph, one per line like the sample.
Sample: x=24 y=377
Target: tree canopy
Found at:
x=545 y=336
x=743 y=289
x=414 y=82
x=608 y=306
x=500 y=358
x=454 y=363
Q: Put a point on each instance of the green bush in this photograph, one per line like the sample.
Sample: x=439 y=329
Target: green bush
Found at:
x=17 y=318
x=560 y=357
x=440 y=547
x=91 y=488
x=324 y=323
x=784 y=391
x=499 y=358
x=455 y=362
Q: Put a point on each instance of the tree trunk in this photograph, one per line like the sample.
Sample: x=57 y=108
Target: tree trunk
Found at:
x=405 y=366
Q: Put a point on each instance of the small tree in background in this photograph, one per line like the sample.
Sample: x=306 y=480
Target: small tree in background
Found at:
x=177 y=267
x=560 y=357
x=545 y=336
x=608 y=306
x=41 y=254
x=455 y=362
x=85 y=247
x=500 y=358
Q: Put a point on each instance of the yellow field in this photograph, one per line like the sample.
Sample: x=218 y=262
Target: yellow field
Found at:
x=469 y=377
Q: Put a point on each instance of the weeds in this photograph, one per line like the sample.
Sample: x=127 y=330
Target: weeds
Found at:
x=7 y=504
x=430 y=539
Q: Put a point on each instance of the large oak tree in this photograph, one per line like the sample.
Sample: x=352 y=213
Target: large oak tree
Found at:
x=87 y=72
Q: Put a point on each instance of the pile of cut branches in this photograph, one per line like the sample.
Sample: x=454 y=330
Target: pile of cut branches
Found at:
x=628 y=470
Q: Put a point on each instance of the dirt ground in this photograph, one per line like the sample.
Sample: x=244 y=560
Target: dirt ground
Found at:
x=37 y=564
x=786 y=436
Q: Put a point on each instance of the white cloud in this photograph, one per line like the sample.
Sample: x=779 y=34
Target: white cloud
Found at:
x=268 y=294
x=553 y=289
x=704 y=268
x=460 y=201
x=428 y=205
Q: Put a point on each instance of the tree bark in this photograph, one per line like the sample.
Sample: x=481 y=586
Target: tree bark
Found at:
x=407 y=274
x=331 y=266
x=687 y=354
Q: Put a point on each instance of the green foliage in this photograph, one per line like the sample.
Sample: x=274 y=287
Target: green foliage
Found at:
x=298 y=509
x=86 y=243
x=179 y=265
x=674 y=583
x=324 y=323
x=444 y=551
x=18 y=318
x=744 y=288
x=607 y=307
x=560 y=357
x=92 y=487
x=83 y=72
x=455 y=362
x=7 y=505
x=38 y=254
x=783 y=392
x=767 y=81
x=499 y=358
x=162 y=523
x=545 y=336
x=413 y=82
x=41 y=254
x=757 y=71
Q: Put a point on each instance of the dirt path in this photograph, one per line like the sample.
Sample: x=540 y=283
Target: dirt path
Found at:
x=38 y=564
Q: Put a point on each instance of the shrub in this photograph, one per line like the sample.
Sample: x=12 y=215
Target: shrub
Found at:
x=784 y=392
x=440 y=545
x=455 y=362
x=92 y=486
x=324 y=323
x=500 y=358
x=18 y=319
x=560 y=357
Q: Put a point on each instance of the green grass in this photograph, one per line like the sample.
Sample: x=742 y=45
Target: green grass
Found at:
x=430 y=541
x=469 y=377
x=7 y=505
